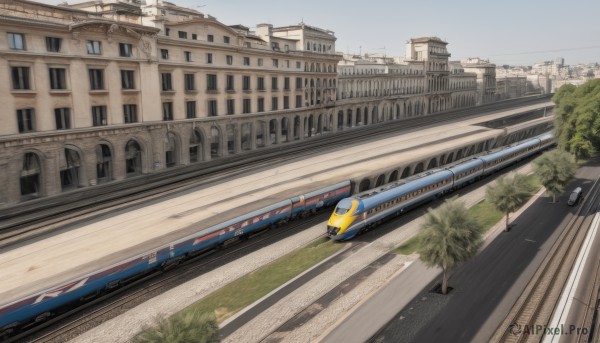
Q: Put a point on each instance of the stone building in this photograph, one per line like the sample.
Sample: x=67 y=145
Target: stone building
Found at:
x=486 y=78
x=105 y=90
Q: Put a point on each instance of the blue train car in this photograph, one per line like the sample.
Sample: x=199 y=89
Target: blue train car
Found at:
x=41 y=305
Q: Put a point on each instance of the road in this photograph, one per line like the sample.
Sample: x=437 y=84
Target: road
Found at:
x=485 y=288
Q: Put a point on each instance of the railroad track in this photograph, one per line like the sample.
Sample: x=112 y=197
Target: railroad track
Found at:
x=80 y=319
x=536 y=305
x=40 y=216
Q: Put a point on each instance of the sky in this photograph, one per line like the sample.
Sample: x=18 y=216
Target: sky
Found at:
x=505 y=32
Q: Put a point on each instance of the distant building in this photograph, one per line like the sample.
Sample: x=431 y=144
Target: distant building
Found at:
x=486 y=78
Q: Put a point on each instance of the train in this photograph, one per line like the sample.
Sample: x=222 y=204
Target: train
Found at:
x=33 y=309
x=363 y=211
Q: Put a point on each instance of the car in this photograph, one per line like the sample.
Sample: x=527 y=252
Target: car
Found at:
x=575 y=196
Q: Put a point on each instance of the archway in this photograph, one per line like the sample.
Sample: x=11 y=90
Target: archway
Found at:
x=393 y=176
x=171 y=155
x=364 y=185
x=133 y=158
x=380 y=180
x=215 y=142
x=196 y=147
x=31 y=175
x=103 y=163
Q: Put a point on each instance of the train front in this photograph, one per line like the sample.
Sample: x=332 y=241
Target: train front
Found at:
x=339 y=225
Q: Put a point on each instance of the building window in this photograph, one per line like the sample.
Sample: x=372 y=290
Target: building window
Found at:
x=260 y=83
x=230 y=85
x=230 y=106
x=166 y=84
x=298 y=65
x=286 y=102
x=210 y=38
x=20 y=78
x=16 y=41
x=274 y=85
x=167 y=110
x=125 y=49
x=260 y=62
x=189 y=82
x=274 y=103
x=298 y=83
x=130 y=113
x=58 y=79
x=194 y=36
x=211 y=82
x=164 y=54
x=226 y=39
x=246 y=82
x=188 y=56
x=229 y=59
x=167 y=31
x=212 y=108
x=96 y=79
x=53 y=44
x=190 y=109
x=261 y=104
x=99 y=115
x=286 y=83
x=287 y=62
x=94 y=47
x=127 y=79
x=26 y=120
x=246 y=61
x=209 y=58
x=62 y=116
x=298 y=101
x=275 y=63
x=182 y=34
x=247 y=105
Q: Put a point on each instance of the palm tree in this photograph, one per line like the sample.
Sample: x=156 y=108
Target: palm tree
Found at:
x=448 y=236
x=555 y=169
x=190 y=326
x=508 y=194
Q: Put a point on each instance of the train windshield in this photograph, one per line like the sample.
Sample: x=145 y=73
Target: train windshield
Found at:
x=343 y=207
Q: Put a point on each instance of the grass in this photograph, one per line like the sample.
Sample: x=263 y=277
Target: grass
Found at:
x=484 y=212
x=230 y=299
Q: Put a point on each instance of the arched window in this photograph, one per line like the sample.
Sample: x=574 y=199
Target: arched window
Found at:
x=171 y=151
x=133 y=158
x=30 y=176
x=196 y=147
x=215 y=142
x=103 y=163
x=69 y=169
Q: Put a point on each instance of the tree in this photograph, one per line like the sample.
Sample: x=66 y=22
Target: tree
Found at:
x=555 y=169
x=448 y=236
x=508 y=194
x=191 y=326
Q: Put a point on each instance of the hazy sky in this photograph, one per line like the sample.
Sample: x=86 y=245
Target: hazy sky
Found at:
x=506 y=31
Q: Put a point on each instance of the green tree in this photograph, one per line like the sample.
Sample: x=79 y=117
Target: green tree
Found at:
x=448 y=236
x=555 y=169
x=508 y=194
x=192 y=326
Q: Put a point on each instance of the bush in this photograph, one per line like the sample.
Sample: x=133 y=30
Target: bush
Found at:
x=190 y=326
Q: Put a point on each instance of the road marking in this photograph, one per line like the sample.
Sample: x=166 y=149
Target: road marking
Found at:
x=529 y=240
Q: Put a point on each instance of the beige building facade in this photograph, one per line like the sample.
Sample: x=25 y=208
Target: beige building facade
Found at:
x=107 y=90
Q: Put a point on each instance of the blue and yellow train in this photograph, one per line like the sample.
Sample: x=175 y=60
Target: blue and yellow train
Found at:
x=364 y=210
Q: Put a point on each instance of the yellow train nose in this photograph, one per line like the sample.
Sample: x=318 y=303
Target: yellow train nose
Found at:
x=341 y=218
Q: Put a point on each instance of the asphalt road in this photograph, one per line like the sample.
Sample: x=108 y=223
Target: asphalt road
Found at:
x=485 y=288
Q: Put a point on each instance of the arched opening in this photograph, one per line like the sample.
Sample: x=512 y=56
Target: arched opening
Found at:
x=103 y=163
x=215 y=142
x=30 y=179
x=285 y=127
x=366 y=118
x=273 y=131
x=393 y=176
x=261 y=127
x=133 y=158
x=69 y=169
x=418 y=168
x=230 y=129
x=364 y=185
x=340 y=120
x=171 y=151
x=196 y=147
x=380 y=180
x=296 y=127
x=450 y=157
x=246 y=136
x=432 y=164
x=405 y=173
x=311 y=126
x=459 y=154
x=319 y=124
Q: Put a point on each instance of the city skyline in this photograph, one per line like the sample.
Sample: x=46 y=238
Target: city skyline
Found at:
x=528 y=34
